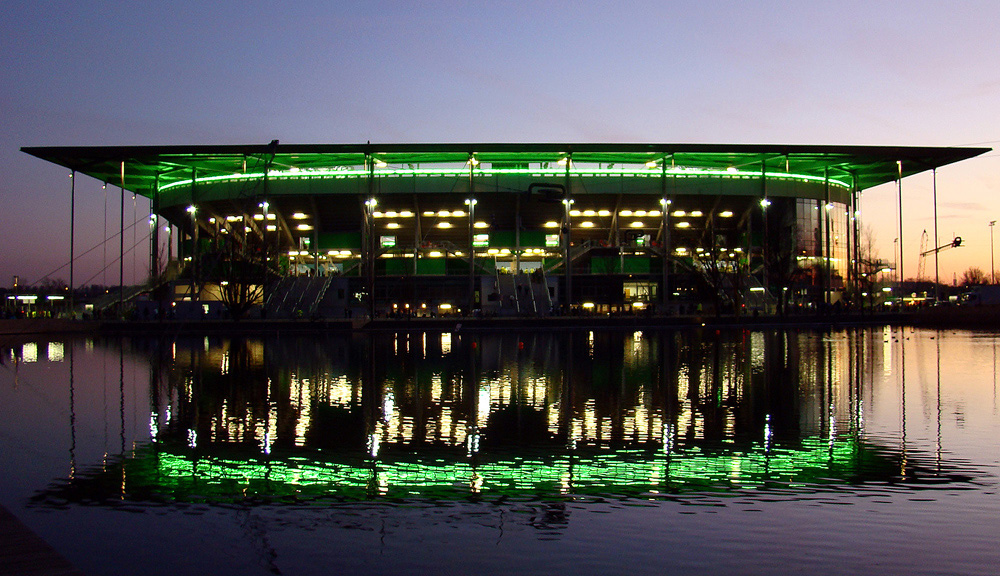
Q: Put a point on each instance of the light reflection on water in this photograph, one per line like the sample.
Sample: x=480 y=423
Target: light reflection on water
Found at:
x=541 y=430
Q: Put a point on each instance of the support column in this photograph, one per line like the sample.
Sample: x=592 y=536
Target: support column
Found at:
x=568 y=235
x=665 y=234
x=899 y=189
x=154 y=247
x=766 y=231
x=195 y=256
x=826 y=228
x=72 y=241
x=937 y=280
x=368 y=251
x=121 y=246
x=471 y=203
x=856 y=241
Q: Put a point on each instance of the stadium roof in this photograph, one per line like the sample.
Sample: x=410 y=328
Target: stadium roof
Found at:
x=145 y=166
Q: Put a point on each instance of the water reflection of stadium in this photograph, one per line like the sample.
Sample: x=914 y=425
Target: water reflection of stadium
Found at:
x=589 y=411
x=601 y=389
x=458 y=415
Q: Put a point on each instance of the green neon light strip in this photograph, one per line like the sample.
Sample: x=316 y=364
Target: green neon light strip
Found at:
x=330 y=173
x=815 y=460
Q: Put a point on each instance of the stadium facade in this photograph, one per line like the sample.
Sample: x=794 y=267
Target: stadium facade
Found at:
x=503 y=229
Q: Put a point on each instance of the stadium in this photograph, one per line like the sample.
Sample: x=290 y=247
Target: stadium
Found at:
x=369 y=230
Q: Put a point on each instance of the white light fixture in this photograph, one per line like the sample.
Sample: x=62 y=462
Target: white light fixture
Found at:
x=444 y=225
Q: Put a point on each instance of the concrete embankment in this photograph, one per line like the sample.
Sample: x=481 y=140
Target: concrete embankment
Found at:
x=451 y=324
x=28 y=327
x=985 y=317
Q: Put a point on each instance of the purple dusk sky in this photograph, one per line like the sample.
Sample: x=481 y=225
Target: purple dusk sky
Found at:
x=918 y=73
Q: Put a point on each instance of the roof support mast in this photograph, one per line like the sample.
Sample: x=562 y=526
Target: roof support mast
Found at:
x=121 y=247
x=72 y=237
x=899 y=190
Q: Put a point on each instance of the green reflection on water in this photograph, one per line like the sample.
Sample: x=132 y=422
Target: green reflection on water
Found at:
x=155 y=474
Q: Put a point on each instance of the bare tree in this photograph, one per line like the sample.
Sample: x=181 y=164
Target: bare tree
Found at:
x=973 y=276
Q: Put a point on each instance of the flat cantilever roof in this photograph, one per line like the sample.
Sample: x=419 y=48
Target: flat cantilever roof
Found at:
x=145 y=166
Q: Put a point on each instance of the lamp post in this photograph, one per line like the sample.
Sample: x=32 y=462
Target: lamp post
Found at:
x=471 y=203
x=369 y=253
x=195 y=291
x=993 y=274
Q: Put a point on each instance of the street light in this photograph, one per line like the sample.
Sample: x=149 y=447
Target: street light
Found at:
x=993 y=274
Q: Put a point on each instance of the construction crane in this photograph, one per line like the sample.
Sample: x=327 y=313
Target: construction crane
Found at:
x=921 y=263
x=953 y=244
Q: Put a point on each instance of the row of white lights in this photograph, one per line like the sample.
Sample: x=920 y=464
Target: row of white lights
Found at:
x=588 y=213
x=431 y=254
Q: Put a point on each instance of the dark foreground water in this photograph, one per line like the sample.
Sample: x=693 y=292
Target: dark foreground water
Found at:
x=742 y=452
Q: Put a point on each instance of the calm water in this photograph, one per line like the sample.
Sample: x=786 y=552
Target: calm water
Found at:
x=742 y=452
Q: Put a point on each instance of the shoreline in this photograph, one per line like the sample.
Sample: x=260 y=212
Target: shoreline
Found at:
x=980 y=317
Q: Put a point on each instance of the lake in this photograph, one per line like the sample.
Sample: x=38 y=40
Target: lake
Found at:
x=684 y=452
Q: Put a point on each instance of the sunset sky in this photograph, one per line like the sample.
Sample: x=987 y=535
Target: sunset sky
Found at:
x=873 y=73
